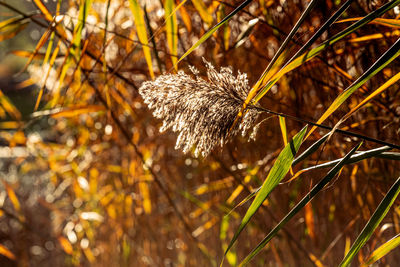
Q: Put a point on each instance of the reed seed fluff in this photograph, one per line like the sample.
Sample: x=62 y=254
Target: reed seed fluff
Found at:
x=202 y=112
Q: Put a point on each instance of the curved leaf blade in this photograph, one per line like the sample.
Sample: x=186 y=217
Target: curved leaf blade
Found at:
x=382 y=251
x=276 y=174
x=306 y=199
x=373 y=223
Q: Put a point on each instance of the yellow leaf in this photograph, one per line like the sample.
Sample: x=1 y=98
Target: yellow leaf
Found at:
x=142 y=33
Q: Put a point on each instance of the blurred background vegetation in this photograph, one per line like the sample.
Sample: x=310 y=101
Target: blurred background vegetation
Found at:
x=87 y=179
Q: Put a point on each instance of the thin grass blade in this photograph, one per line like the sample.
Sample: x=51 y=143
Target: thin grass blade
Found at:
x=172 y=30
x=306 y=199
x=11 y=27
x=378 y=91
x=276 y=174
x=9 y=107
x=392 y=53
x=373 y=223
x=392 y=23
x=142 y=33
x=317 y=50
x=382 y=251
x=42 y=7
x=353 y=159
x=264 y=75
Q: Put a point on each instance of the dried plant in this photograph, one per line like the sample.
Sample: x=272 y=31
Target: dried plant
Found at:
x=202 y=112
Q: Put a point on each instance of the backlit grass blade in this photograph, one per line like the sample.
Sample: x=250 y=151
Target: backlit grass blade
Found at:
x=282 y=125
x=142 y=33
x=7 y=253
x=214 y=29
x=389 y=155
x=203 y=12
x=306 y=199
x=44 y=10
x=261 y=81
x=83 y=12
x=393 y=23
x=11 y=27
x=373 y=223
x=378 y=91
x=375 y=36
x=353 y=159
x=39 y=45
x=172 y=30
x=276 y=174
x=9 y=107
x=382 y=251
x=392 y=53
x=75 y=48
x=51 y=64
x=258 y=94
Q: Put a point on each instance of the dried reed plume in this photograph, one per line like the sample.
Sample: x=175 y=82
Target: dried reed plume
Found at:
x=202 y=112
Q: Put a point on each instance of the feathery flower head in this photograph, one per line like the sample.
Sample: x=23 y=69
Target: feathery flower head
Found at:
x=201 y=112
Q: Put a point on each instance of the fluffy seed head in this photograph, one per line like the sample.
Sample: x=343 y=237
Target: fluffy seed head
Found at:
x=201 y=112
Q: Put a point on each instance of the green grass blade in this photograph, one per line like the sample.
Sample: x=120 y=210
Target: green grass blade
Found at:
x=83 y=12
x=214 y=29
x=142 y=33
x=376 y=152
x=172 y=30
x=306 y=199
x=282 y=125
x=276 y=174
x=382 y=250
x=373 y=223
x=389 y=155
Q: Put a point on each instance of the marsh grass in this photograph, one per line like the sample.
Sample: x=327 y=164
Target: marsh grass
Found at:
x=89 y=180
